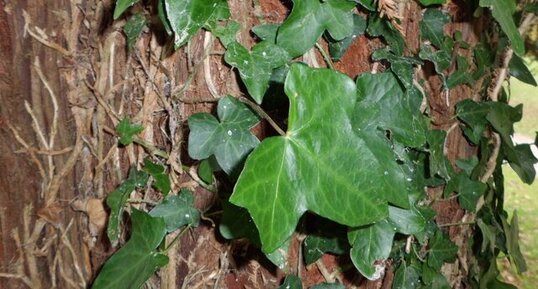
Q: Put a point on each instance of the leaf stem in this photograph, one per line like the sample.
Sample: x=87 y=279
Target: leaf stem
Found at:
x=325 y=56
x=176 y=239
x=262 y=113
x=150 y=147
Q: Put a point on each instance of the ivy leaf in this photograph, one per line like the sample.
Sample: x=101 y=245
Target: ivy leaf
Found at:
x=438 y=162
x=205 y=171
x=328 y=286
x=469 y=191
x=461 y=75
x=441 y=58
x=122 y=5
x=511 y=232
x=408 y=222
x=279 y=257
x=521 y=160
x=483 y=60
x=502 y=118
x=489 y=235
x=406 y=277
x=177 y=211
x=229 y=140
x=126 y=131
x=338 y=48
x=328 y=237
x=133 y=28
x=256 y=67
x=432 y=2
x=502 y=11
x=161 y=12
x=473 y=114
x=291 y=282
x=236 y=223
x=431 y=26
x=162 y=182
x=132 y=265
x=381 y=27
x=313 y=162
x=116 y=201
x=400 y=65
x=468 y=165
x=226 y=34
x=519 y=70
x=368 y=4
x=433 y=279
x=266 y=31
x=187 y=17
x=379 y=93
x=441 y=250
x=370 y=244
x=309 y=19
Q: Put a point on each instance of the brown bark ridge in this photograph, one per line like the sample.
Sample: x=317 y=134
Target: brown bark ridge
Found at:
x=66 y=79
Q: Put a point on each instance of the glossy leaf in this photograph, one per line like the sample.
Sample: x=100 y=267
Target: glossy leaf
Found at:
x=132 y=265
x=161 y=12
x=312 y=167
x=519 y=70
x=489 y=235
x=229 y=139
x=400 y=65
x=381 y=27
x=158 y=172
x=502 y=11
x=205 y=171
x=441 y=250
x=133 y=28
x=338 y=48
x=116 y=201
x=408 y=222
x=279 y=257
x=177 y=211
x=309 y=19
x=327 y=237
x=126 y=131
x=266 y=31
x=186 y=17
x=431 y=26
x=406 y=277
x=122 y=5
x=256 y=67
x=291 y=282
x=370 y=244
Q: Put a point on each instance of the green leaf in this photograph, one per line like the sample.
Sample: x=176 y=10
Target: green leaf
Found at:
x=126 y=131
x=461 y=75
x=370 y=244
x=469 y=191
x=441 y=59
x=511 y=233
x=309 y=19
x=162 y=182
x=433 y=279
x=438 y=163
x=381 y=27
x=161 y=12
x=468 y=165
x=312 y=167
x=408 y=222
x=279 y=257
x=441 y=250
x=291 y=282
x=406 y=277
x=431 y=26
x=236 y=223
x=116 y=201
x=230 y=140
x=381 y=92
x=400 y=65
x=489 y=235
x=132 y=265
x=502 y=117
x=177 y=211
x=205 y=171
x=328 y=286
x=521 y=160
x=473 y=114
x=328 y=237
x=256 y=67
x=484 y=59
x=519 y=70
x=432 y=2
x=338 y=48
x=266 y=31
x=187 y=17
x=502 y=11
x=368 y=4
x=226 y=34
x=133 y=28
x=122 y=5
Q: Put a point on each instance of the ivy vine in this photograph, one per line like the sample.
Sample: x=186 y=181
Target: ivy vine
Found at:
x=358 y=154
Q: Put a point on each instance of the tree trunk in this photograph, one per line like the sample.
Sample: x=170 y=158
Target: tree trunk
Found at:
x=66 y=78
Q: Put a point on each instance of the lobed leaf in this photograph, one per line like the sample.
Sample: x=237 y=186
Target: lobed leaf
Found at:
x=441 y=250
x=177 y=211
x=502 y=11
x=122 y=5
x=126 y=131
x=161 y=180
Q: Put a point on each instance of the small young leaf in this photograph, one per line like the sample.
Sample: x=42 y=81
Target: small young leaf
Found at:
x=502 y=11
x=431 y=26
x=116 y=200
x=370 y=244
x=441 y=250
x=162 y=182
x=406 y=277
x=230 y=140
x=256 y=67
x=519 y=70
x=133 y=28
x=291 y=282
x=177 y=211
x=122 y=5
x=132 y=265
x=309 y=19
x=126 y=130
x=469 y=191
